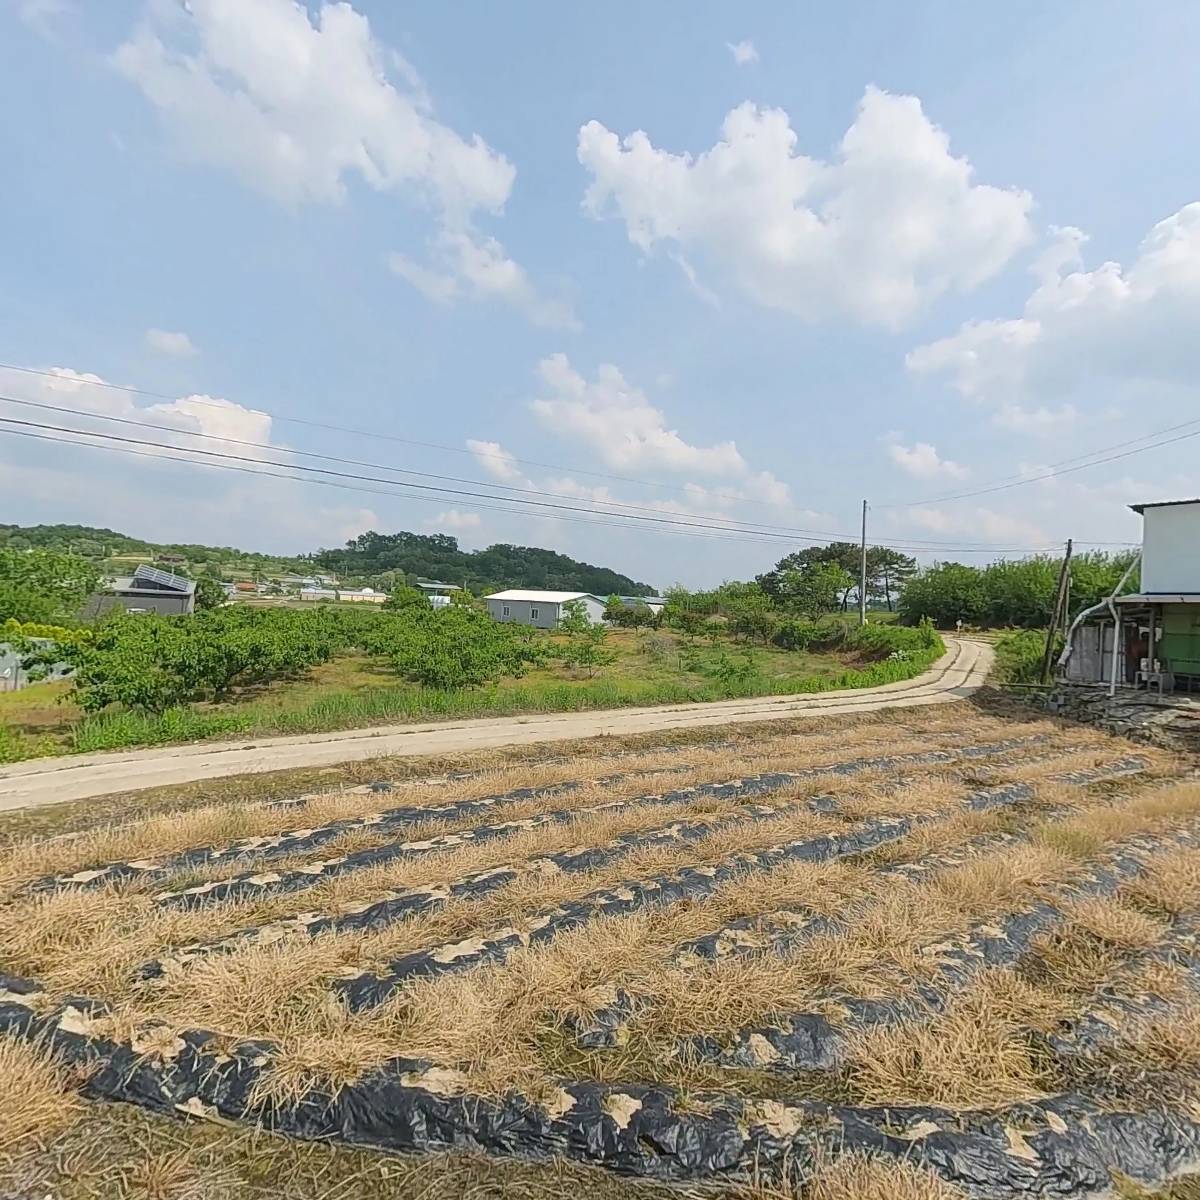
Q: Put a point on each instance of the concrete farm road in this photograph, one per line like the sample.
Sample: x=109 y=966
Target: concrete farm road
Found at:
x=961 y=671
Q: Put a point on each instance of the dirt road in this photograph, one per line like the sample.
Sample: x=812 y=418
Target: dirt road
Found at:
x=956 y=675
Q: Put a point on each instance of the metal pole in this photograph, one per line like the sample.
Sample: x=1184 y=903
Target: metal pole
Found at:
x=862 y=572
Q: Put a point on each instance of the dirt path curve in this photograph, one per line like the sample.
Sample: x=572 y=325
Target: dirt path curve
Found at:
x=955 y=675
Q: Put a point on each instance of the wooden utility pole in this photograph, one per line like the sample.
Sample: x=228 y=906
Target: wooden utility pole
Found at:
x=862 y=572
x=1059 y=615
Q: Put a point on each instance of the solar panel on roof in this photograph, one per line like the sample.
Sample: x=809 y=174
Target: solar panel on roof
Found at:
x=160 y=578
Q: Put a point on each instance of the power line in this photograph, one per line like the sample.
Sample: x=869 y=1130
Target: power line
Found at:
x=182 y=455
x=1012 y=481
x=370 y=433
x=910 y=542
x=159 y=428
x=925 y=544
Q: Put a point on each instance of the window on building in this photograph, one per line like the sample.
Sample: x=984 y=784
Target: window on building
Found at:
x=533 y=612
x=504 y=611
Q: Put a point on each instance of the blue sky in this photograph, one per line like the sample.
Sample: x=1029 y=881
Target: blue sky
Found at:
x=866 y=249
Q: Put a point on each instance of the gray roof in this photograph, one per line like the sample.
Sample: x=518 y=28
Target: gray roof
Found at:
x=1140 y=508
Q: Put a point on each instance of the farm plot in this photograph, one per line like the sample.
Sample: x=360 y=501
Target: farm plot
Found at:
x=960 y=945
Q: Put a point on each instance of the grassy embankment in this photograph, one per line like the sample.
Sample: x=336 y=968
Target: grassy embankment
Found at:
x=355 y=690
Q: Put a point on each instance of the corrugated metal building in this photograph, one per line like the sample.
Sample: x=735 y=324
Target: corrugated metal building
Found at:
x=1157 y=630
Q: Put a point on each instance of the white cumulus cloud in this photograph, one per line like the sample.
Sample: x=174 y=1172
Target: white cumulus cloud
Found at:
x=145 y=489
x=892 y=221
x=299 y=105
x=176 y=345
x=1082 y=331
x=620 y=424
x=922 y=461
x=495 y=460
x=455 y=519
x=743 y=52
x=466 y=264
x=295 y=105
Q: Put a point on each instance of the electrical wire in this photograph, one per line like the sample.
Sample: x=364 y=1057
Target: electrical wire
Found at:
x=374 y=434
x=1004 y=483
x=737 y=525
x=183 y=455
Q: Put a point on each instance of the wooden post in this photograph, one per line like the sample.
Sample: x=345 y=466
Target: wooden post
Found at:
x=1059 y=615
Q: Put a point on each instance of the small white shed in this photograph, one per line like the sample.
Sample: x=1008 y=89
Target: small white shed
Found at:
x=544 y=610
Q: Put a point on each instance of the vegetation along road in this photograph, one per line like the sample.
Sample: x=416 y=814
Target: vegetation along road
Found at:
x=961 y=671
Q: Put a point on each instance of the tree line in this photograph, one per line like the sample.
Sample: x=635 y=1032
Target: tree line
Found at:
x=1015 y=593
x=385 y=560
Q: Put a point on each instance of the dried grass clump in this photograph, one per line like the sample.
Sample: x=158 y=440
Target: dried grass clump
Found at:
x=38 y=1098
x=1114 y=923
x=857 y=1177
x=977 y=1053
x=1168 y=1043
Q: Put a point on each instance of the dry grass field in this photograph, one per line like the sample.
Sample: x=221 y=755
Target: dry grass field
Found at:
x=921 y=955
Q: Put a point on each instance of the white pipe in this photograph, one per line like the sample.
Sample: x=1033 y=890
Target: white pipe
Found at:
x=1095 y=608
x=1112 y=666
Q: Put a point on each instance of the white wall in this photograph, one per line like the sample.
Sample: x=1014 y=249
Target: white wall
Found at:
x=1171 y=548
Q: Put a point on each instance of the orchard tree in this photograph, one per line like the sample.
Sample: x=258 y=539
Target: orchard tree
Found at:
x=615 y=610
x=404 y=597
x=44 y=585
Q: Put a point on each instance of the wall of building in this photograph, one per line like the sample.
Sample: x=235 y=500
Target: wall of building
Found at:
x=13 y=676
x=1179 y=640
x=167 y=604
x=1091 y=654
x=548 y=613
x=1171 y=549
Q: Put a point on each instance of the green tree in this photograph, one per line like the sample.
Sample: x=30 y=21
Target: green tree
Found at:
x=574 y=619
x=587 y=648
x=44 y=585
x=888 y=571
x=748 y=610
x=404 y=597
x=844 y=554
x=209 y=593
x=945 y=593
x=685 y=611
x=814 y=589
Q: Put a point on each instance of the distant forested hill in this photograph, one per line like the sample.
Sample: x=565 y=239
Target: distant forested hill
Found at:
x=386 y=557
x=437 y=556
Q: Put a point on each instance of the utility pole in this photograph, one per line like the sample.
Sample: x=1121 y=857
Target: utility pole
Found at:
x=862 y=572
x=1059 y=615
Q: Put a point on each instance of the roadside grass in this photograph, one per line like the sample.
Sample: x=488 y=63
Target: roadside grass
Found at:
x=89 y=814
x=354 y=691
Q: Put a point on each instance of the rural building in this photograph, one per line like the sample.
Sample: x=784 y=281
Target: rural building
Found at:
x=541 y=609
x=14 y=677
x=436 y=592
x=361 y=596
x=148 y=589
x=1154 y=640
x=349 y=596
x=654 y=603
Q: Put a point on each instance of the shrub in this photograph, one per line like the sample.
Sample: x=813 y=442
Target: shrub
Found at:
x=151 y=663
x=1019 y=656
x=453 y=647
x=795 y=634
